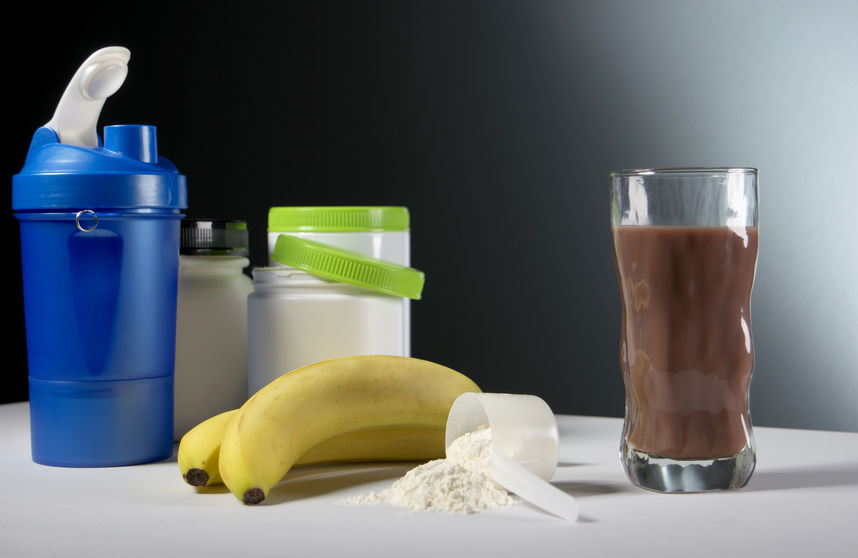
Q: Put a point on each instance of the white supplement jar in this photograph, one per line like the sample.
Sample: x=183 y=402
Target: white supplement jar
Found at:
x=324 y=302
x=211 y=321
x=377 y=231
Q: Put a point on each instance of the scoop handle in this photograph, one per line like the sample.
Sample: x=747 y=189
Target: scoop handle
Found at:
x=99 y=77
x=531 y=488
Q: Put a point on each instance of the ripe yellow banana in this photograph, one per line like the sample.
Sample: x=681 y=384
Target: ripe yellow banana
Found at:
x=199 y=448
x=303 y=408
x=405 y=443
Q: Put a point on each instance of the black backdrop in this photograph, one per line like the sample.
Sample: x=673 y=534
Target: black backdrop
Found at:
x=446 y=111
x=496 y=123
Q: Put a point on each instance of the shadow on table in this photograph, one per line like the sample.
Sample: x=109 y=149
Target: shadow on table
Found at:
x=584 y=489
x=315 y=480
x=845 y=474
x=312 y=480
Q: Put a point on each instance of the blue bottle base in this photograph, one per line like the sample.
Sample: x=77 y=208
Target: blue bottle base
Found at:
x=101 y=423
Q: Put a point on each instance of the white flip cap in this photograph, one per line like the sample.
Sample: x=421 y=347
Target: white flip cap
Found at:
x=99 y=77
x=524 y=445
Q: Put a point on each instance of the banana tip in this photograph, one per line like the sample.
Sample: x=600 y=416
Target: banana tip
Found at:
x=197 y=477
x=254 y=496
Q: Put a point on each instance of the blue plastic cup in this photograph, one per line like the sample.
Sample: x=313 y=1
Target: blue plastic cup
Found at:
x=100 y=252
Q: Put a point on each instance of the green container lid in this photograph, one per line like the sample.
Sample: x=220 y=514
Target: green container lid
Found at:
x=337 y=264
x=338 y=219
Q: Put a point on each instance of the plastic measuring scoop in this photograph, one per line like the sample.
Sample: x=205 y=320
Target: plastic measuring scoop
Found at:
x=524 y=445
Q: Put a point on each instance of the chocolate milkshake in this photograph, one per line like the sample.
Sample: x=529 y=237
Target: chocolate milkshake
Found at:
x=686 y=348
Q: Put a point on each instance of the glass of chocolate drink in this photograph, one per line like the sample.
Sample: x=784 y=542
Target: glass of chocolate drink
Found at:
x=685 y=249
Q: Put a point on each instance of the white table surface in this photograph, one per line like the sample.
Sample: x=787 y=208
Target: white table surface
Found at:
x=802 y=501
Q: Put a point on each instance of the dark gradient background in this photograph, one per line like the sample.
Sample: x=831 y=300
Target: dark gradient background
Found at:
x=497 y=124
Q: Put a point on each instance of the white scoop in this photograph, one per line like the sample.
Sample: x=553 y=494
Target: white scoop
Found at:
x=524 y=445
x=99 y=77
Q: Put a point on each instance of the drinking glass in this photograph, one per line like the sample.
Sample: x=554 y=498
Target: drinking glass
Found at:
x=685 y=251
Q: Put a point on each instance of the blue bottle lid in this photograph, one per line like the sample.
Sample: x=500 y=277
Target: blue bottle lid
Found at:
x=122 y=172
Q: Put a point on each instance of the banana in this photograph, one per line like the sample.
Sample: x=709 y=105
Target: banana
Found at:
x=199 y=448
x=378 y=444
x=303 y=408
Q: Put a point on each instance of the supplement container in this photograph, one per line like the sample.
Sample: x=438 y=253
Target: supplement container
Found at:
x=211 y=322
x=380 y=232
x=325 y=303
x=99 y=225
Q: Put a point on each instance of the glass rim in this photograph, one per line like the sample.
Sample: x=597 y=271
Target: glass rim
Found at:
x=685 y=171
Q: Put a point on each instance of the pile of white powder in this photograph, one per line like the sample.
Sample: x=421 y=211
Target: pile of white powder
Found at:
x=458 y=484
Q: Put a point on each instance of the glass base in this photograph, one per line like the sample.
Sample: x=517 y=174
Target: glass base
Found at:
x=663 y=474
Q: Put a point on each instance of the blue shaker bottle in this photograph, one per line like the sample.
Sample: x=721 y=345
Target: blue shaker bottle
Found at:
x=99 y=224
